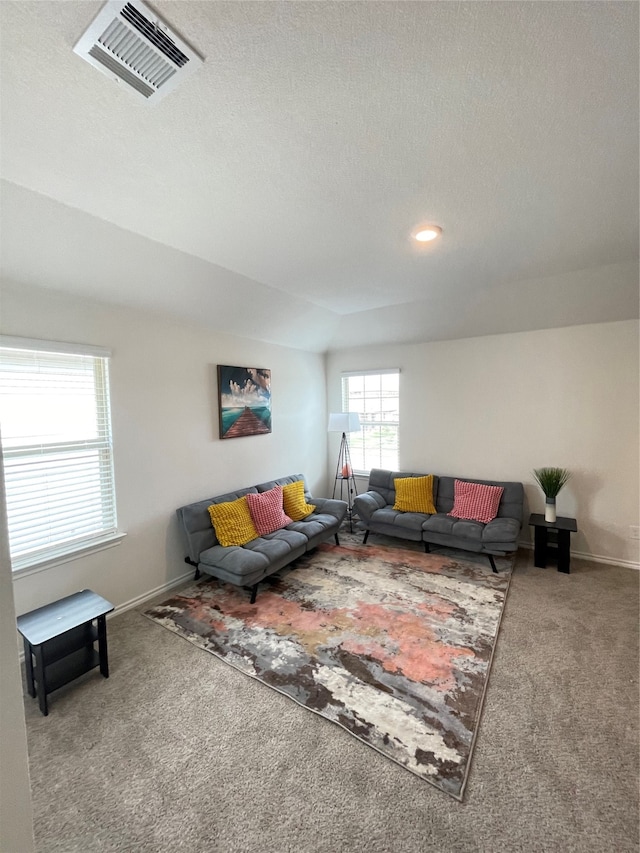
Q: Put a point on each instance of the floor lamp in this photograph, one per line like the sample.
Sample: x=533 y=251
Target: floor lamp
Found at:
x=345 y=422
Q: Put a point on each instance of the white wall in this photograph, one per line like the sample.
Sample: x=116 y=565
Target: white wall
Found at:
x=16 y=816
x=502 y=405
x=489 y=407
x=165 y=429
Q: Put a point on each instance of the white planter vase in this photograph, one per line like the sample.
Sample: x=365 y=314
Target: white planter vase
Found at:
x=550 y=510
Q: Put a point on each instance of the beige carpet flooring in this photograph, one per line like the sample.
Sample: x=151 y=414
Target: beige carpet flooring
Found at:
x=179 y=752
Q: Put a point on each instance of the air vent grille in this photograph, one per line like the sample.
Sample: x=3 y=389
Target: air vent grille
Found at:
x=136 y=54
x=155 y=35
x=129 y=43
x=110 y=63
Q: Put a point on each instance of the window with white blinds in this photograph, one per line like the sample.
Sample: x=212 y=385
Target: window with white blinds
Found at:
x=375 y=396
x=57 y=450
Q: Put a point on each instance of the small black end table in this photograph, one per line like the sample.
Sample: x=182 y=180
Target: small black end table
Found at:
x=561 y=530
x=58 y=642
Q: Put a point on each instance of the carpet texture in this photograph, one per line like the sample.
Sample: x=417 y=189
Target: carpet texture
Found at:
x=393 y=645
x=177 y=752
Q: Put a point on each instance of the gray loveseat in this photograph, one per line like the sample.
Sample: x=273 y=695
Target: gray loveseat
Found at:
x=496 y=538
x=248 y=564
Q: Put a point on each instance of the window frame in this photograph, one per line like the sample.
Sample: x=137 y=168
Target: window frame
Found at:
x=107 y=535
x=347 y=401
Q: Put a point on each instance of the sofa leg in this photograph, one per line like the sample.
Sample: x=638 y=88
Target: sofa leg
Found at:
x=337 y=540
x=366 y=536
x=493 y=563
x=427 y=548
x=190 y=562
x=254 y=592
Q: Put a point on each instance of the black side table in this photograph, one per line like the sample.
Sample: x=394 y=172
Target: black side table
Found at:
x=58 y=642
x=545 y=532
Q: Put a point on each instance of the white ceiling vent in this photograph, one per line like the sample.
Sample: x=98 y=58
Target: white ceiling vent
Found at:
x=128 y=42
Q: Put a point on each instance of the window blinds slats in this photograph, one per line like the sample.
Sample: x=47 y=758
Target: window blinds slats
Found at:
x=58 y=506
x=53 y=536
x=50 y=552
x=56 y=434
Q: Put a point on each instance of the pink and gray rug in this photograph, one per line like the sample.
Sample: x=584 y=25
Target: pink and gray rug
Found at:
x=392 y=644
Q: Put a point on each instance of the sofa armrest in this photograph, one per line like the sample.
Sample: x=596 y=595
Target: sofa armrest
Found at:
x=367 y=503
x=330 y=506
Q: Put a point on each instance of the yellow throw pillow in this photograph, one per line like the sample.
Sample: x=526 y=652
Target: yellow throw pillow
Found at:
x=232 y=522
x=414 y=494
x=294 y=501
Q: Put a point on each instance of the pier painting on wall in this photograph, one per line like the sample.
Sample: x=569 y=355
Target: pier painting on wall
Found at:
x=244 y=401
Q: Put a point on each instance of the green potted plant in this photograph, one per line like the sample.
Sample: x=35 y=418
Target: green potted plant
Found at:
x=551 y=480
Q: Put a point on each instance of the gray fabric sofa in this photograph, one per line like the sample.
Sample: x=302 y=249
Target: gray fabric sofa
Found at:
x=248 y=564
x=496 y=538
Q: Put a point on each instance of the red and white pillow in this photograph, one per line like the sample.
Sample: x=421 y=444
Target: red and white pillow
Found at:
x=475 y=501
x=267 y=512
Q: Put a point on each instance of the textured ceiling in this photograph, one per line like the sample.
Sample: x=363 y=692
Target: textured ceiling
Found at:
x=286 y=175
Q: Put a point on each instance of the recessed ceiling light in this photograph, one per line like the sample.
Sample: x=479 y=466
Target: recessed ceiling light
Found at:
x=425 y=233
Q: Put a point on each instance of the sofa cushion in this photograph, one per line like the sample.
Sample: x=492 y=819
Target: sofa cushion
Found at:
x=381 y=481
x=447 y=525
x=511 y=504
x=414 y=494
x=476 y=501
x=232 y=522
x=467 y=529
x=439 y=523
x=275 y=548
x=294 y=501
x=392 y=517
x=409 y=520
x=234 y=561
x=313 y=525
x=386 y=515
x=501 y=530
x=196 y=526
x=267 y=512
x=294 y=538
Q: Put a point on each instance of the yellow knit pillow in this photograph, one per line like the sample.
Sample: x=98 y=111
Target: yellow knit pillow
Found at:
x=232 y=522
x=294 y=502
x=414 y=494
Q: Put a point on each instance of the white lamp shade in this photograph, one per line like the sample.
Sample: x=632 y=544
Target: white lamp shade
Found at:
x=344 y=422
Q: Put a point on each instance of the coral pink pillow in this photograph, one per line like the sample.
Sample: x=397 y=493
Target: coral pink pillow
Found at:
x=267 y=512
x=475 y=501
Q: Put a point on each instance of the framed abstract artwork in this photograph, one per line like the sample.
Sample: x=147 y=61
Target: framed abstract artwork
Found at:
x=244 y=401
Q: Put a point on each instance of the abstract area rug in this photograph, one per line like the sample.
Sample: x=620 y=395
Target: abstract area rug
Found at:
x=394 y=645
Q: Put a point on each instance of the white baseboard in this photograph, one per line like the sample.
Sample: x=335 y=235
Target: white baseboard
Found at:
x=134 y=602
x=140 y=599
x=595 y=558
